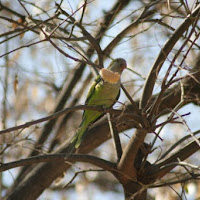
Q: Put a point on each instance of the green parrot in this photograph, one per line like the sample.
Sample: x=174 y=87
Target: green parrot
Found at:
x=104 y=92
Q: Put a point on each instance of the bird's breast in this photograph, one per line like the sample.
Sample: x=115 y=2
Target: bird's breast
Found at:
x=108 y=90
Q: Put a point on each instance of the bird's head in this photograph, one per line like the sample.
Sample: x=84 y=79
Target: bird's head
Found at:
x=112 y=74
x=118 y=65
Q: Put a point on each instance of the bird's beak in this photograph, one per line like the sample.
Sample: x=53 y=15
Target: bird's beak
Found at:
x=124 y=66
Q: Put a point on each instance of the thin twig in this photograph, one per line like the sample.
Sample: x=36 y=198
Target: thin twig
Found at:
x=115 y=137
x=135 y=107
x=91 y=39
x=80 y=172
x=83 y=12
x=188 y=129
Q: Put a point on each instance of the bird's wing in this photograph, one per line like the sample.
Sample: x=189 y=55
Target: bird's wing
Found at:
x=115 y=99
x=92 y=90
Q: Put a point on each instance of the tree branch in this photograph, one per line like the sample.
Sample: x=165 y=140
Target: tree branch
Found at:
x=163 y=166
x=151 y=79
x=60 y=113
x=64 y=157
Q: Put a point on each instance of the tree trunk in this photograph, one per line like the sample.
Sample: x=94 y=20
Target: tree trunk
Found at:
x=134 y=191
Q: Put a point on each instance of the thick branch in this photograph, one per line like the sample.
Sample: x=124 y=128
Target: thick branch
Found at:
x=126 y=163
x=65 y=157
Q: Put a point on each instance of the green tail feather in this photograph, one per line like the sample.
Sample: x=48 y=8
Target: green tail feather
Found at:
x=71 y=148
x=78 y=138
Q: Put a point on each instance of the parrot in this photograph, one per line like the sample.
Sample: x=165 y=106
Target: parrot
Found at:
x=104 y=92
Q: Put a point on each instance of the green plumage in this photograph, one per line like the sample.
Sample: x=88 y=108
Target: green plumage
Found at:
x=103 y=94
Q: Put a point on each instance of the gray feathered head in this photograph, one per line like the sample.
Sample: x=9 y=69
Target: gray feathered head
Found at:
x=117 y=65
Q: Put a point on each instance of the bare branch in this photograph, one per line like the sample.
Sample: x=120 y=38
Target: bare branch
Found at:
x=66 y=158
x=159 y=170
x=58 y=114
x=115 y=137
x=151 y=79
x=177 y=143
x=92 y=40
